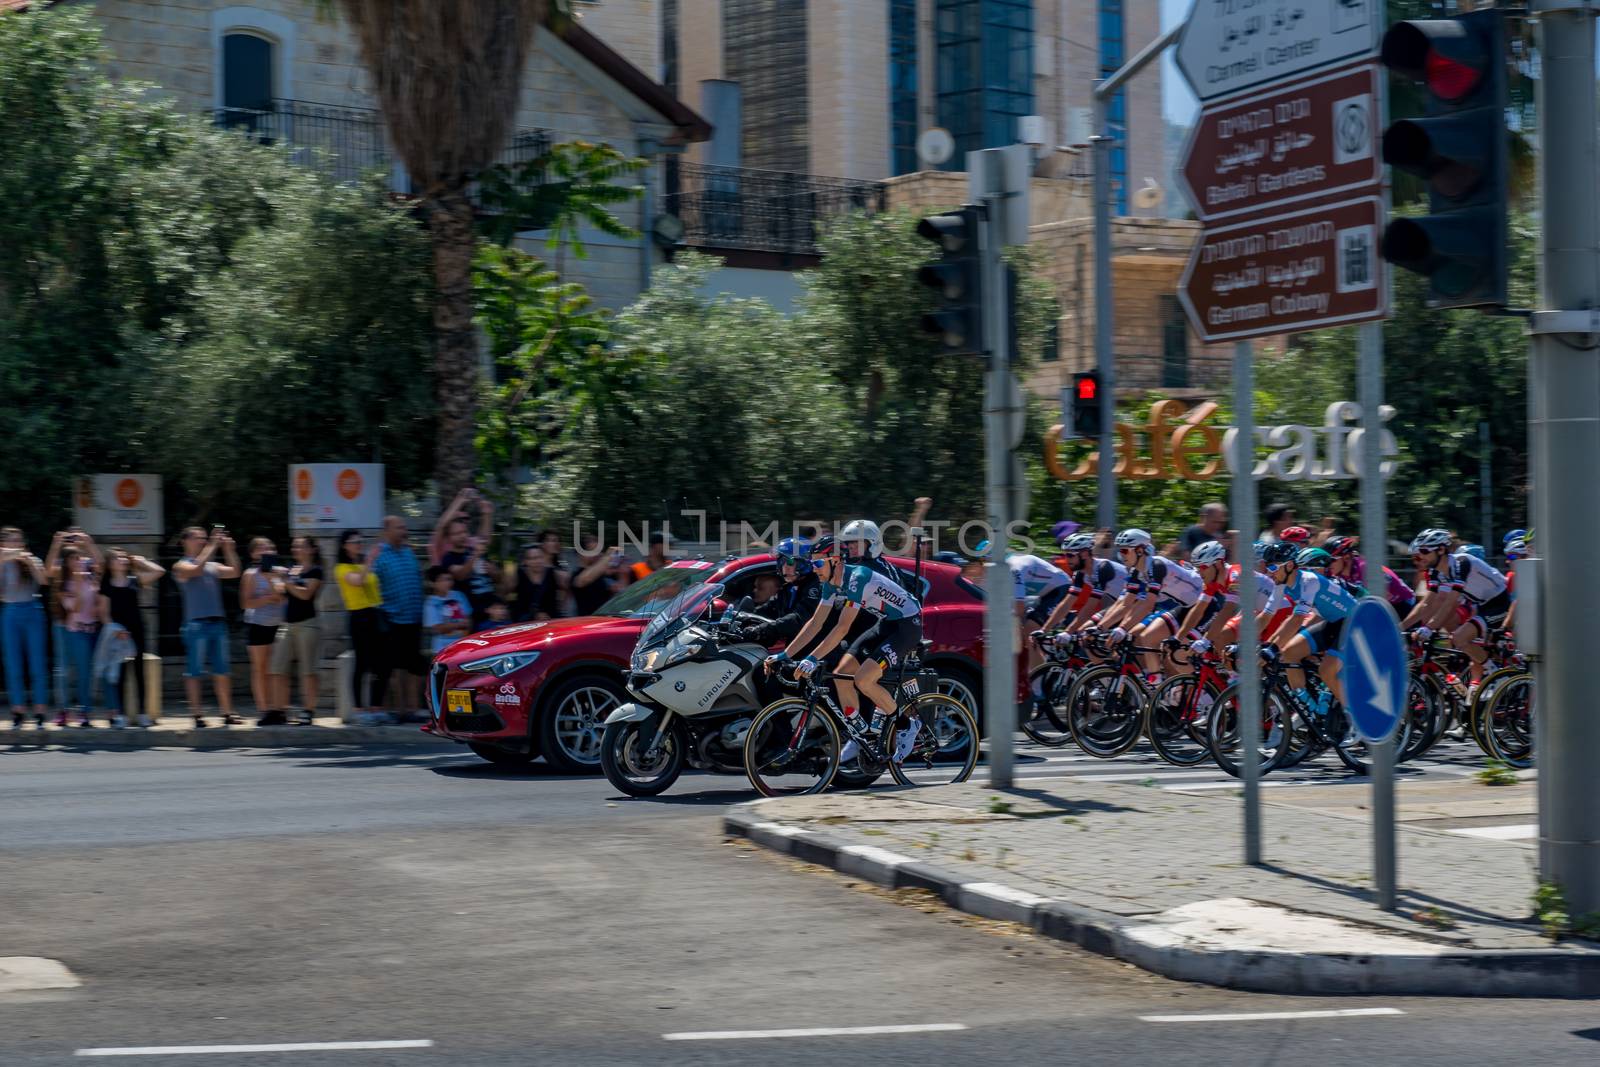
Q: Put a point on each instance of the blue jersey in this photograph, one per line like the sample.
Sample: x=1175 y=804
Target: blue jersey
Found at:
x=1327 y=596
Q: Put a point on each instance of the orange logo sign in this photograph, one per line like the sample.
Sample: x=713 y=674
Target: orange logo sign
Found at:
x=302 y=484
x=348 y=484
x=86 y=492
x=129 y=493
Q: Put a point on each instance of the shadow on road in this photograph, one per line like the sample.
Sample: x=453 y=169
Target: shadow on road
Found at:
x=483 y=770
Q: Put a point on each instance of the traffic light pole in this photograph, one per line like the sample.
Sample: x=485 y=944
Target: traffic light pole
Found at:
x=1000 y=641
x=1564 y=439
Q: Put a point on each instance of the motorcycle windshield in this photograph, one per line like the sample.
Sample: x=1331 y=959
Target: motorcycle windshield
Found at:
x=685 y=609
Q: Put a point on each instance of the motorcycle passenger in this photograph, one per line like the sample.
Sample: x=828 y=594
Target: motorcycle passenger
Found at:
x=896 y=631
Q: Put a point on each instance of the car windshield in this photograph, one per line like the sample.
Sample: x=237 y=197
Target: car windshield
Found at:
x=650 y=594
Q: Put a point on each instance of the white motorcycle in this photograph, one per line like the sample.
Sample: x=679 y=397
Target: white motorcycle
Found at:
x=693 y=684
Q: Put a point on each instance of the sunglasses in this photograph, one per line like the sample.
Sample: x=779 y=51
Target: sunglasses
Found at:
x=792 y=561
x=1274 y=568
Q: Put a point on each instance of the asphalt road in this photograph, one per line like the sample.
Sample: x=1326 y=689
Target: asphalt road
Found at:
x=254 y=897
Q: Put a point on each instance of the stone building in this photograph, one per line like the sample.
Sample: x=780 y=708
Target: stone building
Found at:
x=289 y=70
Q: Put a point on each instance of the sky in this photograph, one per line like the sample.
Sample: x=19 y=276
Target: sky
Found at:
x=1177 y=102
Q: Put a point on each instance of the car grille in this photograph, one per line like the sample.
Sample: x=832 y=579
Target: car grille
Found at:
x=479 y=722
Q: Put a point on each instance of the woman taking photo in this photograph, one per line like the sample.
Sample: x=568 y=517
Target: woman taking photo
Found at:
x=22 y=626
x=125 y=575
x=261 y=594
x=300 y=639
x=358 y=588
x=73 y=566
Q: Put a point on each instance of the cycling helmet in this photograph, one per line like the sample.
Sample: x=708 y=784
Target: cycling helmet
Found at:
x=795 y=551
x=1296 y=535
x=1134 y=538
x=1477 y=551
x=1313 y=557
x=1339 y=547
x=1259 y=548
x=1079 y=542
x=1208 y=553
x=1280 y=552
x=981 y=548
x=1516 y=550
x=1430 y=539
x=1514 y=535
x=825 y=546
x=864 y=530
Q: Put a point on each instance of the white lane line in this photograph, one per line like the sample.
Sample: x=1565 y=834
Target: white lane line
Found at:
x=1498 y=833
x=204 y=1050
x=821 y=1031
x=1268 y=1016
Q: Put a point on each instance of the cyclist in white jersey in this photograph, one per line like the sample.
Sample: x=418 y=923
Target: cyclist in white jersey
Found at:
x=1460 y=580
x=1043 y=581
x=1097 y=584
x=1162 y=587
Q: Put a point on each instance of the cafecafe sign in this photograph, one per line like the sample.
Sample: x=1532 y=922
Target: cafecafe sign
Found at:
x=1178 y=444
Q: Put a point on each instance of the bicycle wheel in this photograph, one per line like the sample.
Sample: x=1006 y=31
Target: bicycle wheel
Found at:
x=1353 y=752
x=1179 y=711
x=1106 y=712
x=1478 y=708
x=1423 y=709
x=946 y=746
x=792 y=749
x=1047 y=724
x=1223 y=737
x=1508 y=724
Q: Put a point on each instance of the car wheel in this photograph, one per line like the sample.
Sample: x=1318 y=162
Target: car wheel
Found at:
x=500 y=756
x=573 y=722
x=961 y=686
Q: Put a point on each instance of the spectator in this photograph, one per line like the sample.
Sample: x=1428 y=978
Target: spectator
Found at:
x=498 y=613
x=76 y=571
x=1213 y=521
x=205 y=625
x=125 y=575
x=112 y=651
x=400 y=584
x=655 y=558
x=465 y=554
x=1326 y=532
x=766 y=587
x=540 y=589
x=358 y=587
x=446 y=615
x=599 y=578
x=22 y=626
x=299 y=641
x=1279 y=518
x=262 y=595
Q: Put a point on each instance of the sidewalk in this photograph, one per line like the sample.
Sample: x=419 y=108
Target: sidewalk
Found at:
x=1157 y=879
x=179 y=731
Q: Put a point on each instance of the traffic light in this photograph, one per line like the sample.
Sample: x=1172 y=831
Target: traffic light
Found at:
x=956 y=275
x=1086 y=420
x=1461 y=149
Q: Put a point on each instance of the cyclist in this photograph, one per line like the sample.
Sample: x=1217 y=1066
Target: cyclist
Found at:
x=1458 y=581
x=1160 y=586
x=863 y=543
x=1218 y=601
x=1033 y=576
x=1320 y=602
x=1518 y=544
x=1096 y=585
x=895 y=632
x=1349 y=567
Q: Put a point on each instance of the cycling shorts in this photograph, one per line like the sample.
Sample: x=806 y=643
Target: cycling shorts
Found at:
x=1491 y=614
x=1323 y=636
x=888 y=642
x=1167 y=611
x=1046 y=603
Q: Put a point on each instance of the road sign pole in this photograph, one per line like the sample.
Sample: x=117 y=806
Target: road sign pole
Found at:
x=1564 y=436
x=1374 y=541
x=1248 y=659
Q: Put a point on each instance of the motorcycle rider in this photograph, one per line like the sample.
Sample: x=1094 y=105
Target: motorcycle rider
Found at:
x=787 y=612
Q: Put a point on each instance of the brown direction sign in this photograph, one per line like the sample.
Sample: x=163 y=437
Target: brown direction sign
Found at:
x=1303 y=270
x=1313 y=139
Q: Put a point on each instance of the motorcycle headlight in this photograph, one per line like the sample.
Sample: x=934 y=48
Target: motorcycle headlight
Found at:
x=501 y=665
x=677 y=654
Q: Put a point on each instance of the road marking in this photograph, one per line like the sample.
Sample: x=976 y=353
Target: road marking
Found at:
x=1499 y=833
x=821 y=1031
x=1268 y=1016
x=301 y=1046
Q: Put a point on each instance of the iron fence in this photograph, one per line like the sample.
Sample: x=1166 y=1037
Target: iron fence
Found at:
x=763 y=210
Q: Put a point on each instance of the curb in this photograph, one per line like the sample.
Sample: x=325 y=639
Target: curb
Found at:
x=101 y=737
x=1475 y=973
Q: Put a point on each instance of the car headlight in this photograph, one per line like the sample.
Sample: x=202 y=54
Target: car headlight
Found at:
x=501 y=665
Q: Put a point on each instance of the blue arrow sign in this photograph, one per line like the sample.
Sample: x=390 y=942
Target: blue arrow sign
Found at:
x=1376 y=674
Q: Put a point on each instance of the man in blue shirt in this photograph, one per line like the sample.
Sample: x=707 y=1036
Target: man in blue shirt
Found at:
x=400 y=581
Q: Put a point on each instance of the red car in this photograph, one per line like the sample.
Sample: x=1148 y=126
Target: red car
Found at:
x=545 y=688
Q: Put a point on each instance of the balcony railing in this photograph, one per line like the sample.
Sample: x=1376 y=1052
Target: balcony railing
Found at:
x=346 y=142
x=763 y=210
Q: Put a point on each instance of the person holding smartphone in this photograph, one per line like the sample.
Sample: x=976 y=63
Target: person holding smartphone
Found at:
x=600 y=577
x=205 y=624
x=263 y=594
x=299 y=639
x=22 y=626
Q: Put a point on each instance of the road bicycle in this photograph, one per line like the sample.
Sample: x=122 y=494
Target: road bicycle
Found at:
x=1044 y=718
x=1178 y=712
x=1106 y=708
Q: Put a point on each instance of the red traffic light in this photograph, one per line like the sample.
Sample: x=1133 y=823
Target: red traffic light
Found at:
x=1450 y=79
x=1088 y=388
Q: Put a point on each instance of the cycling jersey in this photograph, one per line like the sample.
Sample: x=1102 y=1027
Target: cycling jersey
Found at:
x=1265 y=587
x=1034 y=576
x=1471 y=577
x=1329 y=597
x=873 y=593
x=1400 y=595
x=1173 y=580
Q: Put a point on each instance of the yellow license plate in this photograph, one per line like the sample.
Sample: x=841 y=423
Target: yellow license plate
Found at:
x=458 y=701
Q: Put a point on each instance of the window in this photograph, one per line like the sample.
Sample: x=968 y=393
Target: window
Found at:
x=1113 y=53
x=985 y=61
x=764 y=50
x=247 y=62
x=1174 y=345
x=903 y=86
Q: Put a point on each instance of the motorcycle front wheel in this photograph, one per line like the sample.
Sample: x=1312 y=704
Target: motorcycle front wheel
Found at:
x=629 y=767
x=792 y=749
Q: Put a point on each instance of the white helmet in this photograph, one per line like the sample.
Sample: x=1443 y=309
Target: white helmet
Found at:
x=864 y=530
x=1430 y=539
x=1078 y=542
x=1208 y=553
x=1134 y=538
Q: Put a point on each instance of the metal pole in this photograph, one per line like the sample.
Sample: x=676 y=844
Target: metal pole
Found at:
x=1000 y=660
x=1564 y=439
x=1104 y=361
x=1374 y=539
x=1485 y=488
x=1244 y=512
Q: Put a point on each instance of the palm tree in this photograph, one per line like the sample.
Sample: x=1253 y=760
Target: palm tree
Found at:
x=448 y=75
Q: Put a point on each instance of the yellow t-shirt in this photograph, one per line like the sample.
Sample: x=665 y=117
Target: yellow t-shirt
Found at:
x=357 y=597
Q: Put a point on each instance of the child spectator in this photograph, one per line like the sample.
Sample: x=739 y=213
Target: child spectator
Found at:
x=446 y=615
